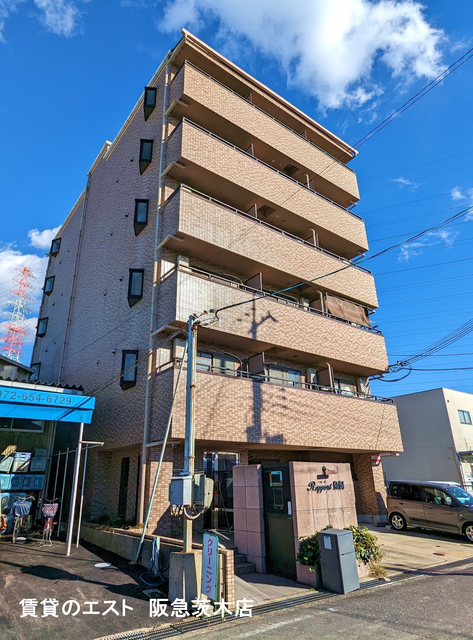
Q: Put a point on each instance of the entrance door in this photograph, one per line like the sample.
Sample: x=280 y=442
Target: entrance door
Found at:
x=280 y=552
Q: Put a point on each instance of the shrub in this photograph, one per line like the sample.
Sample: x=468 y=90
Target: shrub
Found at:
x=309 y=552
x=367 y=549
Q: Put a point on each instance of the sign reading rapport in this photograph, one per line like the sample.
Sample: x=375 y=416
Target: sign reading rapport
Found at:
x=336 y=485
x=210 y=566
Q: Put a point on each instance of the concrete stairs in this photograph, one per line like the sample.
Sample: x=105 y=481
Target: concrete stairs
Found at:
x=241 y=565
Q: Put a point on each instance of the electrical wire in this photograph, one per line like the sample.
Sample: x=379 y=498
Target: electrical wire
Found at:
x=353 y=263
x=420 y=94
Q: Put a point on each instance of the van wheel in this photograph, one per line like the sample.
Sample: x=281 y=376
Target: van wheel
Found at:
x=468 y=531
x=399 y=523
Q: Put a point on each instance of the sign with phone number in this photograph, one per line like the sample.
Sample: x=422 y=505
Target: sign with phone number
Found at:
x=16 y=402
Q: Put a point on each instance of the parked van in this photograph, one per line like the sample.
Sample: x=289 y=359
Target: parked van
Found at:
x=444 y=506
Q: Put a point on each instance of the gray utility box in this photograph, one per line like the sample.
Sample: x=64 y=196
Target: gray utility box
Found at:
x=338 y=561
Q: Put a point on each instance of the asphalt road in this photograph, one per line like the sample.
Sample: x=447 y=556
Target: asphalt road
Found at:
x=435 y=606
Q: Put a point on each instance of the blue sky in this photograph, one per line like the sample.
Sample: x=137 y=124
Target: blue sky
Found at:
x=70 y=73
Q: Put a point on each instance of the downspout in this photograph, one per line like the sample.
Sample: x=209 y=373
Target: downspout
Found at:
x=144 y=451
x=74 y=279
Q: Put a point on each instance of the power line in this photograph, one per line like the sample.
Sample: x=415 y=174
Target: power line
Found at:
x=420 y=94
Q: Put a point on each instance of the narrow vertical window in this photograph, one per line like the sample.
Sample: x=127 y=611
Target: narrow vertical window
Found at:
x=141 y=215
x=135 y=286
x=150 y=101
x=42 y=326
x=55 y=246
x=123 y=488
x=129 y=369
x=49 y=285
x=146 y=154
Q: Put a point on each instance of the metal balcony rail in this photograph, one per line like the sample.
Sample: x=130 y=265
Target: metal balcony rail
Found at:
x=265 y=164
x=266 y=224
x=213 y=277
x=238 y=95
x=267 y=378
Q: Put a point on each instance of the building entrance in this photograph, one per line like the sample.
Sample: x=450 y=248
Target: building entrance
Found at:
x=279 y=531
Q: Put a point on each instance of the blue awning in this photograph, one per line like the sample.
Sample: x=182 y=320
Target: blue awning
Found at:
x=35 y=404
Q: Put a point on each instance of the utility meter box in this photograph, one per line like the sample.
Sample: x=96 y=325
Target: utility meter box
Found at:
x=188 y=491
x=181 y=491
x=203 y=491
x=338 y=561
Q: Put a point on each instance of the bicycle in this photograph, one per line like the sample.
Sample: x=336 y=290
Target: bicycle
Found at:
x=21 y=508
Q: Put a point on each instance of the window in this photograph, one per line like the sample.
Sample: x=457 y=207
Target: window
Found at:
x=149 y=102
x=410 y=492
x=135 y=286
x=225 y=364
x=141 y=215
x=55 y=246
x=42 y=326
x=345 y=387
x=436 y=496
x=21 y=424
x=146 y=154
x=129 y=369
x=123 y=488
x=204 y=361
x=35 y=375
x=49 y=285
x=281 y=375
x=464 y=416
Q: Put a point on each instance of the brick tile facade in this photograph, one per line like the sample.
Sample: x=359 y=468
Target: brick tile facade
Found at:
x=86 y=334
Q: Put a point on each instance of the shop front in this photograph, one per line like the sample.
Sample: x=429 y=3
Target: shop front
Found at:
x=29 y=417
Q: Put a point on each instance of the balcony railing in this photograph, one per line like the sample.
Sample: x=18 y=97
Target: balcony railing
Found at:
x=335 y=160
x=266 y=224
x=213 y=277
x=265 y=164
x=268 y=379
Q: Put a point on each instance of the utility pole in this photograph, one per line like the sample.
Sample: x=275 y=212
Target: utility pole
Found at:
x=189 y=446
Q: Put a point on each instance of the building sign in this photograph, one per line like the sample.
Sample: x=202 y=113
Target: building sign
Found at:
x=210 y=566
x=34 y=404
x=336 y=485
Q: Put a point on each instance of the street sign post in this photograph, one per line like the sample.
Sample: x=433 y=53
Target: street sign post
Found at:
x=210 y=567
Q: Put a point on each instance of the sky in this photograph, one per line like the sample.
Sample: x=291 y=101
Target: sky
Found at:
x=71 y=71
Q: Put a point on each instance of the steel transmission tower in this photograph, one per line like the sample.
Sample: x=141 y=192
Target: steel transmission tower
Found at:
x=14 y=340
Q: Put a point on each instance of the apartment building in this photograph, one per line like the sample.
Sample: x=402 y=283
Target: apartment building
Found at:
x=216 y=191
x=437 y=434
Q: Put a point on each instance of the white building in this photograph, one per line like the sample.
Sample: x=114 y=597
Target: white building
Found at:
x=437 y=433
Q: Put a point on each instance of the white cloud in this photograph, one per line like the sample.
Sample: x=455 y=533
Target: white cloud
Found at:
x=459 y=194
x=6 y=8
x=328 y=48
x=59 y=16
x=442 y=236
x=42 y=239
x=404 y=182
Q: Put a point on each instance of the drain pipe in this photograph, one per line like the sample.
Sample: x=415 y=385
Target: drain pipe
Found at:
x=141 y=503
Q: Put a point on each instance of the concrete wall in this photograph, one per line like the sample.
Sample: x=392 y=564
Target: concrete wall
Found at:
x=427 y=439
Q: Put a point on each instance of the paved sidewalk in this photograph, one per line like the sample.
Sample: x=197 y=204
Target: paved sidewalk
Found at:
x=29 y=571
x=416 y=548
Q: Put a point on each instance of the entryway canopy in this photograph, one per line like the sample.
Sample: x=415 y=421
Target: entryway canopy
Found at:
x=40 y=404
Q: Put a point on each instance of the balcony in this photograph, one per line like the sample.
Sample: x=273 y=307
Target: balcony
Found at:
x=247 y=410
x=197 y=96
x=216 y=233
x=275 y=325
x=225 y=172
